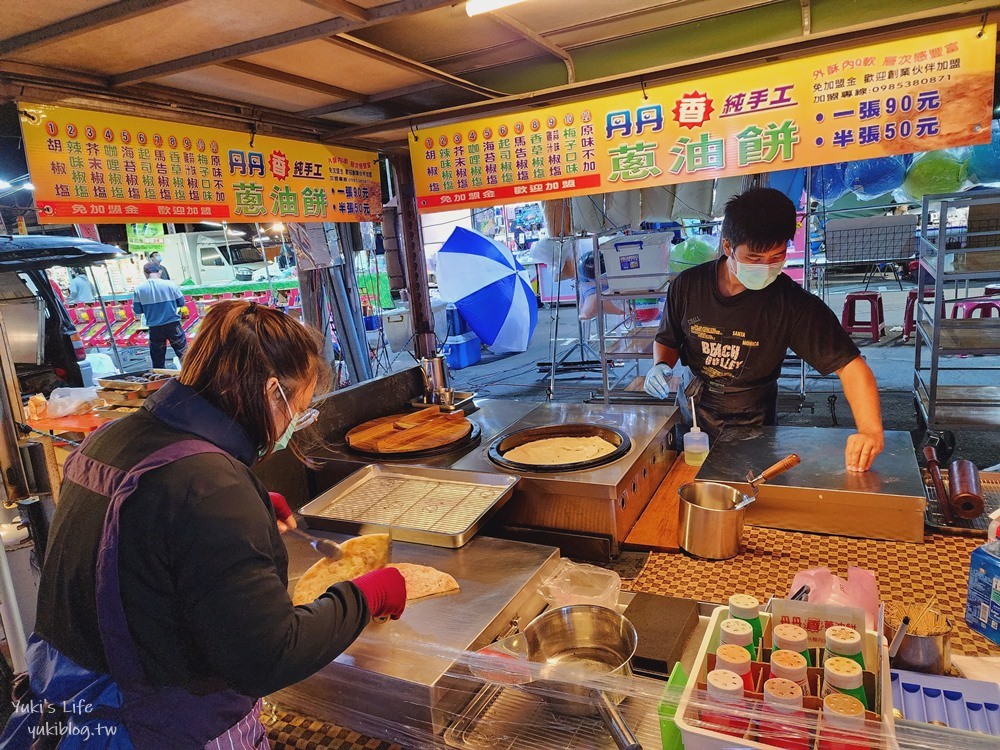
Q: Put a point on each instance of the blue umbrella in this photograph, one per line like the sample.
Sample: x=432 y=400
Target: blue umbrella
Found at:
x=488 y=287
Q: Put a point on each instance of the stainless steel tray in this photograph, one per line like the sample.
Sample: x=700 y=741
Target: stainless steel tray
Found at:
x=116 y=383
x=439 y=507
x=499 y=718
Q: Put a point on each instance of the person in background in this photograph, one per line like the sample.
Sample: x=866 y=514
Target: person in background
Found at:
x=155 y=257
x=159 y=300
x=732 y=321
x=163 y=609
x=81 y=291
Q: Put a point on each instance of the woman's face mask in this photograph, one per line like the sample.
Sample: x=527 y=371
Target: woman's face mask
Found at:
x=298 y=421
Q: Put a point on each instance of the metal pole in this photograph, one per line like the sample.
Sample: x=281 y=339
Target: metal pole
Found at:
x=555 y=332
x=107 y=318
x=263 y=254
x=15 y=483
x=414 y=260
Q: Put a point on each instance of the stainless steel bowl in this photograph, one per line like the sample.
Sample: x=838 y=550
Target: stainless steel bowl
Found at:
x=514 y=438
x=710 y=525
x=590 y=641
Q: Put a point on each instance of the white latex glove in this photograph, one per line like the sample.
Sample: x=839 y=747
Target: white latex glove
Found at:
x=658 y=381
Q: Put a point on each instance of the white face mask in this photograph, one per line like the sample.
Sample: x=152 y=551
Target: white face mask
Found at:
x=755 y=276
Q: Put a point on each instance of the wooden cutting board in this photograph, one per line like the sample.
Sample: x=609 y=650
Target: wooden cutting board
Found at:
x=411 y=432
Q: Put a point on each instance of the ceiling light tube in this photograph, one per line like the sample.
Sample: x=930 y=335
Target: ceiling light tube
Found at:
x=477 y=7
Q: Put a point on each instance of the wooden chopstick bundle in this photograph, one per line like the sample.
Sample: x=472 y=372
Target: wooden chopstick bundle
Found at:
x=925 y=619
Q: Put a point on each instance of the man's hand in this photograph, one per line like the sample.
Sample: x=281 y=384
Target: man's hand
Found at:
x=658 y=380
x=861 y=450
x=862 y=395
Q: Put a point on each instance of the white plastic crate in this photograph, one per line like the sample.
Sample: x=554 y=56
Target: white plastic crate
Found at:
x=637 y=262
x=699 y=738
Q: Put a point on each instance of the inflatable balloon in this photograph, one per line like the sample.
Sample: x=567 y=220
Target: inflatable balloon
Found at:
x=827 y=183
x=984 y=161
x=691 y=252
x=870 y=178
x=934 y=172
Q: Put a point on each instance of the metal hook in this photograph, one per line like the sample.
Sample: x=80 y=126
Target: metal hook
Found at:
x=642 y=83
x=30 y=115
x=413 y=132
x=982 y=28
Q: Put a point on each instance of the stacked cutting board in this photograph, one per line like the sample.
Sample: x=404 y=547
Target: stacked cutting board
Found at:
x=126 y=393
x=412 y=432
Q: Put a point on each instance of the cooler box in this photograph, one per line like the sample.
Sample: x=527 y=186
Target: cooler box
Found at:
x=637 y=262
x=462 y=350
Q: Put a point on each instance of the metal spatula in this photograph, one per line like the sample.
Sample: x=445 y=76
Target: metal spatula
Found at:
x=329 y=550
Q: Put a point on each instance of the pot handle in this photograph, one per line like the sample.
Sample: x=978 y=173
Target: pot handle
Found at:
x=788 y=462
x=620 y=731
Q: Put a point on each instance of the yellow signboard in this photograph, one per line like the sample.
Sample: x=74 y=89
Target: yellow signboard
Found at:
x=114 y=169
x=914 y=94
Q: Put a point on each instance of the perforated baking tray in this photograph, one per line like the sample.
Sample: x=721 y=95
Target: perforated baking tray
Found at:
x=505 y=718
x=439 y=507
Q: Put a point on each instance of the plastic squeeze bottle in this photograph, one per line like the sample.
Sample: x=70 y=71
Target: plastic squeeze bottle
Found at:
x=725 y=690
x=844 y=641
x=842 y=724
x=790 y=665
x=788 y=637
x=842 y=675
x=737 y=633
x=779 y=726
x=695 y=442
x=747 y=608
x=736 y=659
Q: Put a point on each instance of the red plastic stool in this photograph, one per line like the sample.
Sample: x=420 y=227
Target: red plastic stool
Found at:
x=875 y=325
x=909 y=314
x=968 y=308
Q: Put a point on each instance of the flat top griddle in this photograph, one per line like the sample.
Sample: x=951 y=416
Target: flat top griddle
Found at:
x=895 y=471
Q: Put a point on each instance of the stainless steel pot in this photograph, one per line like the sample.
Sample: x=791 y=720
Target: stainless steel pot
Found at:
x=710 y=523
x=590 y=639
x=930 y=654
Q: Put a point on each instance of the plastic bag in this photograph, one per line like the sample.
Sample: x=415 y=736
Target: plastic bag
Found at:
x=576 y=583
x=65 y=401
x=860 y=590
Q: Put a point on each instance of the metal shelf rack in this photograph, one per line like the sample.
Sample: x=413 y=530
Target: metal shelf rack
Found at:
x=942 y=344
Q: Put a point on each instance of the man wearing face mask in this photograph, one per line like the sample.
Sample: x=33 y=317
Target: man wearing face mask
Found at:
x=732 y=321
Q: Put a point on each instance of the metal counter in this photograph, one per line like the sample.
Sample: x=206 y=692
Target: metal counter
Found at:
x=384 y=675
x=820 y=495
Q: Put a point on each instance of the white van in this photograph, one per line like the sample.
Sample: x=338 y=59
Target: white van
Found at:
x=206 y=258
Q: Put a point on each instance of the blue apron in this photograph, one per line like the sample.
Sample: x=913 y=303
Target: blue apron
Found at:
x=67 y=706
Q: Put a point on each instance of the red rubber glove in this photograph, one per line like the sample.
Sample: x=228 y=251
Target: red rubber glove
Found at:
x=385 y=591
x=282 y=512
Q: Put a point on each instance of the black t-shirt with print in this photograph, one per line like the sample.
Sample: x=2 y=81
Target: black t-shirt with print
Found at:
x=740 y=342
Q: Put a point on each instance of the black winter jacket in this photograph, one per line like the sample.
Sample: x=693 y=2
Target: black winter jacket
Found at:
x=203 y=569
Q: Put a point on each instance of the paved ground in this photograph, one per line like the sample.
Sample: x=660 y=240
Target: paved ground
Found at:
x=518 y=376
